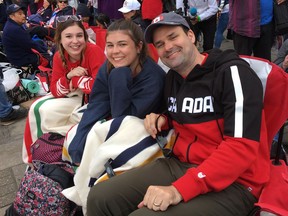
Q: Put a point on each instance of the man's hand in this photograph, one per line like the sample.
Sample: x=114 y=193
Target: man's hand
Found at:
x=150 y=123
x=159 y=198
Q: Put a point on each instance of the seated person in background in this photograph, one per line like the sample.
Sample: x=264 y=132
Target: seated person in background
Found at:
x=48 y=30
x=94 y=4
x=43 y=14
x=282 y=56
x=131 y=11
x=281 y=61
x=3 y=15
x=47 y=9
x=102 y=21
x=128 y=83
x=219 y=162
x=62 y=9
x=75 y=66
x=32 y=5
x=84 y=12
x=17 y=42
x=9 y=114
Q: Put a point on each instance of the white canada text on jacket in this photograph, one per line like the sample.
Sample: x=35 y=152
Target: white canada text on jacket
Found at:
x=192 y=105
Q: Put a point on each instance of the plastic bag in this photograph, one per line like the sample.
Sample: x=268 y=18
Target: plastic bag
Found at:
x=11 y=78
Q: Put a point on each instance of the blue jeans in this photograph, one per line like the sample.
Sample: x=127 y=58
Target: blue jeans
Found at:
x=221 y=27
x=5 y=105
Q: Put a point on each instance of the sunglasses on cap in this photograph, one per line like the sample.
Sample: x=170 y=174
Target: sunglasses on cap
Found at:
x=62 y=19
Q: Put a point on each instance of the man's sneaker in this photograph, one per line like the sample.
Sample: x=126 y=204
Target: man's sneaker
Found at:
x=13 y=116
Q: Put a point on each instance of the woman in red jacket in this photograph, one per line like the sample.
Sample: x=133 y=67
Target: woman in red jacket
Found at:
x=75 y=66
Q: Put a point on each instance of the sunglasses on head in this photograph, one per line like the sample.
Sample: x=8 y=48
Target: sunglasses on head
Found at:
x=62 y=19
x=63 y=2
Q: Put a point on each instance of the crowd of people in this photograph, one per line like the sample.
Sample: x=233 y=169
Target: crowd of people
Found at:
x=202 y=102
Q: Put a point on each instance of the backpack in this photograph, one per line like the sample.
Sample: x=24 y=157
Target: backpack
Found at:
x=40 y=190
x=48 y=148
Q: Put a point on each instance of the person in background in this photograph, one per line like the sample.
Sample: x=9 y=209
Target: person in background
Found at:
x=131 y=11
x=128 y=83
x=8 y=113
x=282 y=56
x=62 y=9
x=216 y=164
x=86 y=16
x=83 y=11
x=281 y=61
x=252 y=26
x=94 y=4
x=48 y=29
x=223 y=6
x=47 y=9
x=102 y=21
x=17 y=42
x=204 y=21
x=3 y=15
x=30 y=5
x=75 y=66
x=43 y=14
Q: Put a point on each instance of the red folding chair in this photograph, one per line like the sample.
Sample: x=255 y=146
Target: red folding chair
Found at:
x=44 y=69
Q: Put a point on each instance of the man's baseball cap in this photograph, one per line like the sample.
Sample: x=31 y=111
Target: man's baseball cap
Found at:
x=13 y=8
x=170 y=18
x=129 y=5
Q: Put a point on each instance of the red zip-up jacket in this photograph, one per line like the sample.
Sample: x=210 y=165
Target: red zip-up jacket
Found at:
x=218 y=113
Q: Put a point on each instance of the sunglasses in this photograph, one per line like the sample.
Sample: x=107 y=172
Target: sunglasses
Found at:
x=162 y=141
x=63 y=2
x=62 y=19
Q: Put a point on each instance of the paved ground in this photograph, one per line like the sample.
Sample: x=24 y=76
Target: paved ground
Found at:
x=11 y=165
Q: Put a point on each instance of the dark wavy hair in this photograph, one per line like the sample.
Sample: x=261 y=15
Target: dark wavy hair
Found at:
x=61 y=26
x=103 y=19
x=134 y=32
